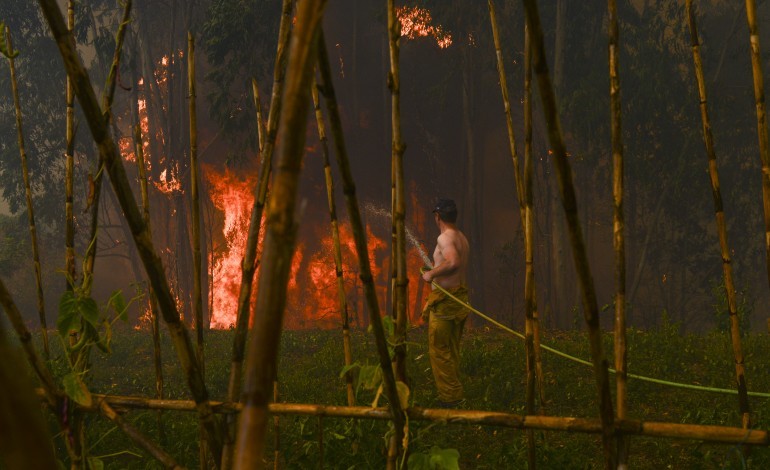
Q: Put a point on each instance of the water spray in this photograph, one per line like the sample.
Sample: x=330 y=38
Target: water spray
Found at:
x=374 y=210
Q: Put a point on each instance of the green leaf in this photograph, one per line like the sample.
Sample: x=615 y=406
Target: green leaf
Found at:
x=118 y=303
x=3 y=46
x=90 y=310
x=349 y=368
x=95 y=463
x=105 y=342
x=76 y=389
x=370 y=377
x=69 y=315
x=419 y=461
x=444 y=459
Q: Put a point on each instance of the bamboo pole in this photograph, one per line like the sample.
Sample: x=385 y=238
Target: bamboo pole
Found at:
x=531 y=313
x=398 y=249
x=338 y=268
x=197 y=299
x=28 y=195
x=530 y=211
x=154 y=315
x=24 y=439
x=69 y=167
x=534 y=367
x=107 y=98
x=532 y=333
x=727 y=271
x=762 y=134
x=359 y=235
x=150 y=258
x=618 y=227
x=711 y=433
x=249 y=263
x=569 y=203
x=279 y=242
x=137 y=437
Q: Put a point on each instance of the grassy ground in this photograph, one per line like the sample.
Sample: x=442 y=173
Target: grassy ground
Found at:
x=493 y=374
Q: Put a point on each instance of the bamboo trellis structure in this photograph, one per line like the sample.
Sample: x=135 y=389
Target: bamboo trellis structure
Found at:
x=359 y=234
x=152 y=263
x=308 y=46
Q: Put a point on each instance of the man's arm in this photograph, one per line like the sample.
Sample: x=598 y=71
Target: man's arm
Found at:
x=451 y=259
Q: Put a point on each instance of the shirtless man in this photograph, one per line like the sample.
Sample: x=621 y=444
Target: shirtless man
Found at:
x=446 y=317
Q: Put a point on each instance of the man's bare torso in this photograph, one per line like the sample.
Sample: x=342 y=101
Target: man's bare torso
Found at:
x=451 y=244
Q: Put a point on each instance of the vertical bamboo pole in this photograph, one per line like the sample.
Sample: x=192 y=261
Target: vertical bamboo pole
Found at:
x=762 y=134
x=618 y=227
x=28 y=195
x=580 y=257
x=249 y=262
x=197 y=299
x=359 y=235
x=152 y=263
x=279 y=242
x=530 y=214
x=727 y=270
x=532 y=333
x=338 y=268
x=399 y=211
x=248 y=265
x=107 y=97
x=532 y=336
x=154 y=315
x=69 y=167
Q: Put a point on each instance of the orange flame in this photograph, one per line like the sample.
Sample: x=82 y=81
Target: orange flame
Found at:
x=312 y=296
x=233 y=196
x=416 y=23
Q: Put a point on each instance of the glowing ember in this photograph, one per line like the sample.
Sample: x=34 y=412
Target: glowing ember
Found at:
x=168 y=182
x=416 y=23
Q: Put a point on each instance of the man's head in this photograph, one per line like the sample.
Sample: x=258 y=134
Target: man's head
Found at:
x=446 y=210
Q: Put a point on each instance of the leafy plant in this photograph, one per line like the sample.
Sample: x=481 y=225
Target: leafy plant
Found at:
x=436 y=459
x=3 y=47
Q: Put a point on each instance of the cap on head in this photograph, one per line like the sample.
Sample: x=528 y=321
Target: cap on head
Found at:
x=446 y=209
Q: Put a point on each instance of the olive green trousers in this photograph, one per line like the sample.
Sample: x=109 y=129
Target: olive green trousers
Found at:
x=446 y=319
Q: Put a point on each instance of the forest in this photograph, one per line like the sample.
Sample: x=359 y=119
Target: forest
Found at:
x=223 y=190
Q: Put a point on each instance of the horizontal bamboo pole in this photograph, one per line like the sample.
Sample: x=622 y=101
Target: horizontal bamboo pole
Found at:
x=717 y=434
x=139 y=439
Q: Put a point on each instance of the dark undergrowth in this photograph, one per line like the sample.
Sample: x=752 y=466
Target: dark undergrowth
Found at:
x=494 y=377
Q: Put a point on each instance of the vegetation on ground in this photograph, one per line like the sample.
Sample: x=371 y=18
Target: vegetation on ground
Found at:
x=494 y=377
